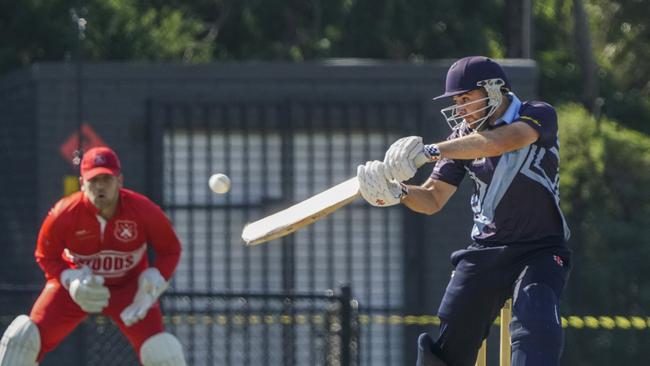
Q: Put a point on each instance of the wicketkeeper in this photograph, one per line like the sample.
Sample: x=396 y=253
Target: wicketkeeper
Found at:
x=93 y=249
x=509 y=149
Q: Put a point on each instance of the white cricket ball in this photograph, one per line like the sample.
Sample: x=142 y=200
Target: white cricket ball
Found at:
x=219 y=183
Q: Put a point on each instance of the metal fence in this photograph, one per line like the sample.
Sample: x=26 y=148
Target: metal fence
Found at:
x=278 y=152
x=229 y=328
x=266 y=328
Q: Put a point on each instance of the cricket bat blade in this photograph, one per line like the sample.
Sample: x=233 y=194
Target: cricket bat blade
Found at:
x=301 y=214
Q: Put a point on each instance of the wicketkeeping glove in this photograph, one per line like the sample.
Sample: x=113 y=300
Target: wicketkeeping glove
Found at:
x=375 y=187
x=151 y=284
x=86 y=289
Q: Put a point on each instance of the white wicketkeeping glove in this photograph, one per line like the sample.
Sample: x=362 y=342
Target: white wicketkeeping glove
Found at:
x=401 y=157
x=375 y=187
x=151 y=284
x=86 y=289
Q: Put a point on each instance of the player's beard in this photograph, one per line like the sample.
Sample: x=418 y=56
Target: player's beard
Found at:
x=103 y=199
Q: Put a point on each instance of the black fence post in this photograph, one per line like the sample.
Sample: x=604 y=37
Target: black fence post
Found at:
x=349 y=327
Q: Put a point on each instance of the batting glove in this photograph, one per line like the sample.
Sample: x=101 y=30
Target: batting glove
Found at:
x=375 y=187
x=406 y=155
x=86 y=289
x=151 y=284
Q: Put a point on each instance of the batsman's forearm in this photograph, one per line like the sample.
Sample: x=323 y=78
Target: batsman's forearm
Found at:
x=469 y=147
x=489 y=143
x=420 y=199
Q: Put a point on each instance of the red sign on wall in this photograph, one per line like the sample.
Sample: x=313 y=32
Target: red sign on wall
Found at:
x=89 y=140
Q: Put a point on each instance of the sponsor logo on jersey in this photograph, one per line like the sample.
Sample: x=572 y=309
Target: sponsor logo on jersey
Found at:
x=108 y=263
x=125 y=230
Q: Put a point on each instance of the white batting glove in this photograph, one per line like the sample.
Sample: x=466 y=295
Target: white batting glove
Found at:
x=406 y=155
x=151 y=284
x=375 y=187
x=400 y=158
x=86 y=289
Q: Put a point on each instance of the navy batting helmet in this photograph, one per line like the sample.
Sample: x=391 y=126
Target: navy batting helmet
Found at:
x=467 y=74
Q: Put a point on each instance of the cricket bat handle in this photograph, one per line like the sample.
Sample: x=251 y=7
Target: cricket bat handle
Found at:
x=424 y=157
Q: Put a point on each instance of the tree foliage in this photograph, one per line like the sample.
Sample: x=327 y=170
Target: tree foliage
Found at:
x=205 y=30
x=122 y=30
x=292 y=30
x=386 y=29
x=603 y=167
x=34 y=30
x=620 y=32
x=604 y=174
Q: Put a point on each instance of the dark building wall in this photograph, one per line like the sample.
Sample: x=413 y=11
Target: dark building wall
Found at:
x=18 y=154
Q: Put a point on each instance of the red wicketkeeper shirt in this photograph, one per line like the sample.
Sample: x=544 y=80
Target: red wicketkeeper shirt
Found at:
x=73 y=234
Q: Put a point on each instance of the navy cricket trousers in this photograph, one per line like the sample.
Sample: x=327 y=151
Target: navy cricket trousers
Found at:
x=534 y=275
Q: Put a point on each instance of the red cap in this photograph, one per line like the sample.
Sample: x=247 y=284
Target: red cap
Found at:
x=99 y=160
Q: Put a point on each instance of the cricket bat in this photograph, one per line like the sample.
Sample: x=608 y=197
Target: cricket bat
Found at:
x=307 y=212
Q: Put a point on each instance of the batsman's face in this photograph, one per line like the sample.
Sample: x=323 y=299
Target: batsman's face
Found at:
x=471 y=105
x=102 y=190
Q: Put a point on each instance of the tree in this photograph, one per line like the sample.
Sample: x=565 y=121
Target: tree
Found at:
x=604 y=172
x=585 y=56
x=615 y=73
x=117 y=30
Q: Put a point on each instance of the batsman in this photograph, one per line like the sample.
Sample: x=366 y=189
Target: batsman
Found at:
x=509 y=149
x=92 y=248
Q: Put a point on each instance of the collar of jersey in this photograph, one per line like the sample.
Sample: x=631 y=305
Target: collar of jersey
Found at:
x=512 y=113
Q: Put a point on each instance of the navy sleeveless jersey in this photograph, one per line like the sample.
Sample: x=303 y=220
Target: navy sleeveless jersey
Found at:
x=516 y=195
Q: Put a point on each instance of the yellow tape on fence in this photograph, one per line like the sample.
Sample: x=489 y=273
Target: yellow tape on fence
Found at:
x=606 y=322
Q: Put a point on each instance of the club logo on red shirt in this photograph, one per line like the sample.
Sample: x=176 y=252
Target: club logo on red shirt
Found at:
x=125 y=230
